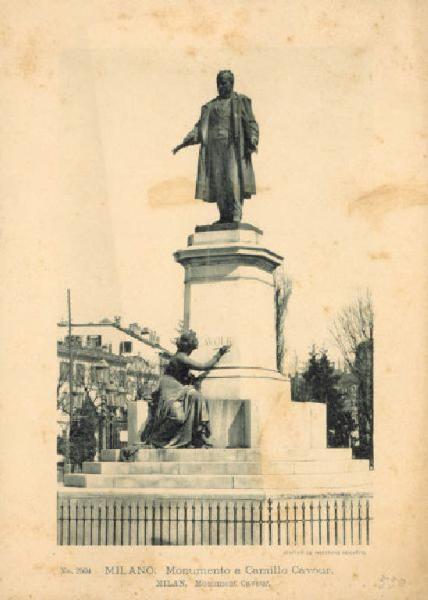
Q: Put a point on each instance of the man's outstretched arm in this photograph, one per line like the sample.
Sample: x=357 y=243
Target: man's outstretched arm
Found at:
x=191 y=138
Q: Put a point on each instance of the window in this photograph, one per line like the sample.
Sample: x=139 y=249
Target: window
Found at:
x=63 y=371
x=94 y=341
x=80 y=374
x=93 y=374
x=122 y=379
x=103 y=375
x=125 y=347
x=74 y=340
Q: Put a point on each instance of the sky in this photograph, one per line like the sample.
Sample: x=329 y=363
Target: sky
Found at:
x=338 y=167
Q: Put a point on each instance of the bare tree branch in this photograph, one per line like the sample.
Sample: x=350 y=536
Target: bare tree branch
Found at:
x=354 y=324
x=283 y=289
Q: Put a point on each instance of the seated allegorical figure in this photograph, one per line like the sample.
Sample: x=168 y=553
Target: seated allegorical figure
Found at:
x=179 y=416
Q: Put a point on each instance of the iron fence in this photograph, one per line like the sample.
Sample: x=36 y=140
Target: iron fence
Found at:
x=295 y=521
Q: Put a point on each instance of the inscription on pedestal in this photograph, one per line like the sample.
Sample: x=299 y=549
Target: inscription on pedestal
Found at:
x=218 y=341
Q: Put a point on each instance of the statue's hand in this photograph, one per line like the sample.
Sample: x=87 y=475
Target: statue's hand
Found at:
x=177 y=148
x=250 y=148
x=225 y=349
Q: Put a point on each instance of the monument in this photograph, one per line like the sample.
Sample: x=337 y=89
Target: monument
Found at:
x=236 y=428
x=228 y=134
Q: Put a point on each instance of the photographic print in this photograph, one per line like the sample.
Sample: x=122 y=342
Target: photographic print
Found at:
x=214 y=299
x=230 y=447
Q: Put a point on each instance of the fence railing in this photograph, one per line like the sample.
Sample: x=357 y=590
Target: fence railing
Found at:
x=307 y=521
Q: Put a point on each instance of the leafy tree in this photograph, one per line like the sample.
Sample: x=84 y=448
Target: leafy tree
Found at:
x=320 y=377
x=82 y=434
x=61 y=445
x=322 y=380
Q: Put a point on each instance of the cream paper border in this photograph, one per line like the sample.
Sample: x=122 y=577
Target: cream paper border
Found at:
x=64 y=193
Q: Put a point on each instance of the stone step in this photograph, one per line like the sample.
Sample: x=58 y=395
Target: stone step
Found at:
x=283 y=482
x=228 y=454
x=224 y=468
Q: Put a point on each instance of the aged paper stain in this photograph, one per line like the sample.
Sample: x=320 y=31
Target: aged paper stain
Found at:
x=381 y=255
x=172 y=192
x=374 y=205
x=236 y=41
x=193 y=18
x=5 y=35
x=29 y=59
x=191 y=51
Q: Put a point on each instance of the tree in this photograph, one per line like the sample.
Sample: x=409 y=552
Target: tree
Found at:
x=321 y=381
x=353 y=325
x=364 y=372
x=320 y=377
x=353 y=331
x=283 y=288
x=82 y=434
x=61 y=445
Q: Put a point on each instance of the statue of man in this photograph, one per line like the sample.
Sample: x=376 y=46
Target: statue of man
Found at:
x=228 y=134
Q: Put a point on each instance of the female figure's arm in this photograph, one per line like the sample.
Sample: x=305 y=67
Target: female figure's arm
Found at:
x=202 y=366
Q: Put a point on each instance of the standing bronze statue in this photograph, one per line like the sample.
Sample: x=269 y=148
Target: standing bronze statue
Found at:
x=228 y=134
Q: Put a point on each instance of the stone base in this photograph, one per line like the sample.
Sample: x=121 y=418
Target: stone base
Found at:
x=229 y=299
x=137 y=416
x=228 y=227
x=319 y=470
x=250 y=408
x=259 y=413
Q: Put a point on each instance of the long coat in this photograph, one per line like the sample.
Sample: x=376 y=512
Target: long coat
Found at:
x=245 y=135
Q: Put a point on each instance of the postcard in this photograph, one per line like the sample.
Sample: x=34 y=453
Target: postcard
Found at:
x=214 y=299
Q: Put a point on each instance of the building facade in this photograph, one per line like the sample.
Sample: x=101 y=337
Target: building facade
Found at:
x=111 y=365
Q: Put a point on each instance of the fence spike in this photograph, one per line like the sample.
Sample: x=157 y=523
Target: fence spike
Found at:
x=287 y=523
x=218 y=523
x=367 y=521
x=335 y=523
x=328 y=522
x=343 y=521
x=303 y=523
x=359 y=520
x=252 y=522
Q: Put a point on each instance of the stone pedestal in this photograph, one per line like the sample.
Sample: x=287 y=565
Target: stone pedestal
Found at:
x=137 y=416
x=229 y=294
x=229 y=299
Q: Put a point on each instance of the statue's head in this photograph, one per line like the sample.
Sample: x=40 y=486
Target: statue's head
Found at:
x=187 y=341
x=225 y=81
